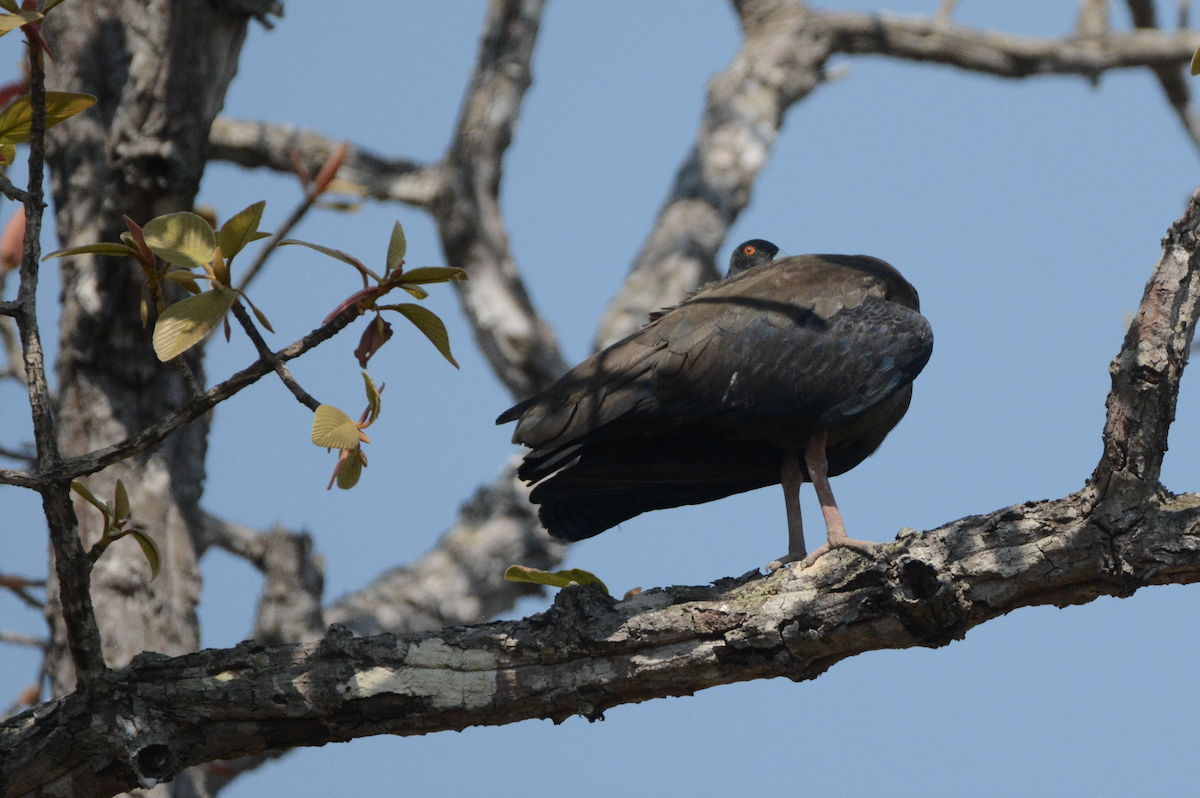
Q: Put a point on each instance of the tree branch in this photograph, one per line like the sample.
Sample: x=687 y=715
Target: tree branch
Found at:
x=589 y=652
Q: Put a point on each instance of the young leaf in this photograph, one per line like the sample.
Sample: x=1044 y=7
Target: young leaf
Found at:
x=258 y=314
x=375 y=335
x=88 y=496
x=150 y=549
x=121 y=505
x=396 y=248
x=415 y=290
x=334 y=253
x=350 y=469
x=333 y=429
x=10 y=6
x=240 y=229
x=8 y=154
x=183 y=239
x=330 y=168
x=184 y=278
x=117 y=250
x=188 y=321
x=523 y=573
x=427 y=322
x=16 y=121
x=432 y=274
x=374 y=405
x=1196 y=62
x=138 y=239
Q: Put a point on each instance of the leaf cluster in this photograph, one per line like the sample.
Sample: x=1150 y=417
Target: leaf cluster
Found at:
x=186 y=243
x=117 y=524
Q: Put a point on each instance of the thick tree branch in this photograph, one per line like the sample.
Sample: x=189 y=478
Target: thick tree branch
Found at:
x=588 y=652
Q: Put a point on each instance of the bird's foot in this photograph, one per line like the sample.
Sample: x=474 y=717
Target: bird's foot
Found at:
x=863 y=547
x=775 y=565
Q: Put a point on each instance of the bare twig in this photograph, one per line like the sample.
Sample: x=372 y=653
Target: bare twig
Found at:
x=272 y=243
x=19 y=585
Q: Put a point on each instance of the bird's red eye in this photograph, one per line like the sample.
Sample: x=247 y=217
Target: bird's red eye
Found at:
x=748 y=250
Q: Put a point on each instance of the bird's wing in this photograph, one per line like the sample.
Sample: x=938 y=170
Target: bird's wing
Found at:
x=784 y=361
x=805 y=339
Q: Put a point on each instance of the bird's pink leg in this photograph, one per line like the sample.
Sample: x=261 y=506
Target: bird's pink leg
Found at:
x=818 y=473
x=791 y=478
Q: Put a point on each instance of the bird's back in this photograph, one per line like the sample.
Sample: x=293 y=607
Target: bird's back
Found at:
x=701 y=402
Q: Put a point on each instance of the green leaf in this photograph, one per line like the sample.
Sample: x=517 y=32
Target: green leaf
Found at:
x=117 y=250
x=373 y=399
x=188 y=321
x=416 y=290
x=49 y=5
x=522 y=573
x=431 y=274
x=121 y=505
x=8 y=154
x=396 y=248
x=150 y=549
x=427 y=322
x=10 y=6
x=1196 y=62
x=333 y=253
x=91 y=499
x=351 y=470
x=333 y=429
x=16 y=121
x=240 y=230
x=183 y=239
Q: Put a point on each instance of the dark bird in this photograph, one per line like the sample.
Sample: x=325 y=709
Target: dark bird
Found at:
x=786 y=371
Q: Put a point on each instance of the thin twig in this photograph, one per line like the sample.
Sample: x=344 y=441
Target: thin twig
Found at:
x=265 y=353
x=1170 y=76
x=70 y=561
x=273 y=242
x=12 y=192
x=19 y=585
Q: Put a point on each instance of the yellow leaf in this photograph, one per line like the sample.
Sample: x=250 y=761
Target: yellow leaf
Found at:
x=188 y=321
x=523 y=573
x=427 y=322
x=183 y=239
x=16 y=121
x=333 y=429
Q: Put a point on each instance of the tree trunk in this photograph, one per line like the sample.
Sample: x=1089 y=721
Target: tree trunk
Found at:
x=160 y=69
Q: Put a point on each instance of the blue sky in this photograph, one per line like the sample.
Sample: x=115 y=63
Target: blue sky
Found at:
x=1027 y=214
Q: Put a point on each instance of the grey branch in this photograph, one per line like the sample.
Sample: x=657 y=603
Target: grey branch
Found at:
x=589 y=652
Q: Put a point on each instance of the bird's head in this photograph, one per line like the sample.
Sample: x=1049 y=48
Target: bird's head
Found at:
x=749 y=254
